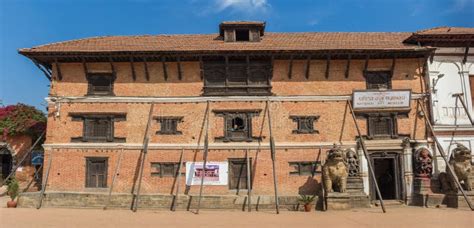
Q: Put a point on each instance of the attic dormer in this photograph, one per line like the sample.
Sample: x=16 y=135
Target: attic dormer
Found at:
x=242 y=31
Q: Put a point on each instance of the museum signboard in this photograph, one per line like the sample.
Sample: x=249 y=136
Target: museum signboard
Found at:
x=389 y=99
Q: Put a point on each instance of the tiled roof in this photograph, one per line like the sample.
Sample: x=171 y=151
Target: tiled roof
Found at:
x=307 y=41
x=446 y=31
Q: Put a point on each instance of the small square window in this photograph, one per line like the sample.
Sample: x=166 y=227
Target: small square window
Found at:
x=98 y=129
x=382 y=126
x=304 y=168
x=100 y=84
x=379 y=80
x=305 y=124
x=242 y=35
x=164 y=169
x=169 y=125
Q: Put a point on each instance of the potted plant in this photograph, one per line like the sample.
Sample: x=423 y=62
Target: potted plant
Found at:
x=12 y=190
x=306 y=200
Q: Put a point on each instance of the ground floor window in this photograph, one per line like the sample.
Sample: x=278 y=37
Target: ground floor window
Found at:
x=164 y=169
x=304 y=168
x=96 y=172
x=238 y=173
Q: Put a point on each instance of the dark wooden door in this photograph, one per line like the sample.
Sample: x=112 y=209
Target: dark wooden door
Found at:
x=238 y=174
x=96 y=173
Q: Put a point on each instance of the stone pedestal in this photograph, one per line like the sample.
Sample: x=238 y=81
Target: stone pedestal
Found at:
x=456 y=200
x=338 y=201
x=424 y=193
x=422 y=185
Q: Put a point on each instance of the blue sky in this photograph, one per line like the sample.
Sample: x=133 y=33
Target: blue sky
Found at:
x=26 y=23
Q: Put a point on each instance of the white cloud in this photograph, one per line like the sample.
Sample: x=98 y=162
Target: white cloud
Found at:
x=242 y=5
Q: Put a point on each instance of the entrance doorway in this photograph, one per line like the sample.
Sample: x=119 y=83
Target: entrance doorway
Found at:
x=5 y=166
x=388 y=175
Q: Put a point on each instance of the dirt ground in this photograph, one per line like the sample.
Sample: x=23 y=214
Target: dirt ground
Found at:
x=399 y=217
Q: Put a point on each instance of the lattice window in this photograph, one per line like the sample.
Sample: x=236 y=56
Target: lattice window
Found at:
x=305 y=124
x=304 y=168
x=96 y=172
x=169 y=125
x=100 y=84
x=98 y=127
x=382 y=126
x=378 y=79
x=164 y=169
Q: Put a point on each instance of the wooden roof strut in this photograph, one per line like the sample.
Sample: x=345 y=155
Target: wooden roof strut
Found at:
x=132 y=65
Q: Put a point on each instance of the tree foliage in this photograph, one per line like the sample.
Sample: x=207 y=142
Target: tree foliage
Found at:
x=21 y=119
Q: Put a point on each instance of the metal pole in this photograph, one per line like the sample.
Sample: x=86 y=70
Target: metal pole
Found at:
x=458 y=96
x=43 y=188
x=113 y=179
x=177 y=180
x=249 y=187
x=23 y=158
x=366 y=154
x=145 y=150
x=206 y=146
x=272 y=151
x=443 y=155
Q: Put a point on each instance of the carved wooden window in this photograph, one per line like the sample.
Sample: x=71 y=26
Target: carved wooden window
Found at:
x=169 y=125
x=237 y=77
x=98 y=127
x=238 y=173
x=237 y=125
x=100 y=84
x=305 y=124
x=96 y=172
x=378 y=79
x=164 y=169
x=303 y=168
x=382 y=125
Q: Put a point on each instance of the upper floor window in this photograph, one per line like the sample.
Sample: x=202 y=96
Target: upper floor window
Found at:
x=169 y=125
x=242 y=35
x=304 y=124
x=382 y=125
x=237 y=76
x=101 y=84
x=378 y=79
x=237 y=125
x=98 y=127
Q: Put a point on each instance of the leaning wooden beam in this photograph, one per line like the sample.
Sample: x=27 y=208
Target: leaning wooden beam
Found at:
x=132 y=65
x=178 y=179
x=459 y=96
x=84 y=66
x=206 y=146
x=43 y=187
x=464 y=60
x=142 y=162
x=348 y=66
x=201 y=68
x=366 y=154
x=165 y=71
x=366 y=65
x=328 y=65
x=272 y=151
x=308 y=66
x=392 y=69
x=445 y=158
x=290 y=67
x=272 y=64
x=147 y=73
x=58 y=69
x=116 y=173
x=112 y=66
x=43 y=69
x=249 y=182
x=180 y=71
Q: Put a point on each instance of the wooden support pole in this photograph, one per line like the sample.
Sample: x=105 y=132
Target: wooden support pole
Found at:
x=178 y=179
x=290 y=67
x=308 y=66
x=58 y=69
x=112 y=67
x=43 y=187
x=165 y=71
x=206 y=146
x=201 y=68
x=132 y=65
x=328 y=65
x=84 y=66
x=142 y=162
x=249 y=182
x=443 y=155
x=272 y=150
x=272 y=63
x=459 y=96
x=348 y=66
x=147 y=72
x=366 y=65
x=114 y=178
x=180 y=71
x=392 y=69
x=464 y=59
x=366 y=154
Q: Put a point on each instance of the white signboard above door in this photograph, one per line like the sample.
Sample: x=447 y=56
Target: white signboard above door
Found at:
x=389 y=99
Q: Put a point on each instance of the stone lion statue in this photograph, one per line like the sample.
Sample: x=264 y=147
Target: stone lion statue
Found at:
x=460 y=160
x=335 y=171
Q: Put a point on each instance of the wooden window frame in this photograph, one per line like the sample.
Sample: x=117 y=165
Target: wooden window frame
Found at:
x=161 y=173
x=228 y=115
x=172 y=122
x=97 y=159
x=90 y=87
x=299 y=164
x=256 y=77
x=301 y=125
x=371 y=118
x=242 y=161
x=371 y=73
x=85 y=118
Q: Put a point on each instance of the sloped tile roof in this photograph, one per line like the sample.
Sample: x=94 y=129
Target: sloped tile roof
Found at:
x=446 y=31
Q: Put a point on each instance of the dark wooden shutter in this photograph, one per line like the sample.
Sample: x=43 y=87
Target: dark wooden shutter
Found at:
x=238 y=174
x=378 y=80
x=96 y=172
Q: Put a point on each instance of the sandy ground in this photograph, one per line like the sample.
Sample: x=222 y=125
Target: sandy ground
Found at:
x=395 y=217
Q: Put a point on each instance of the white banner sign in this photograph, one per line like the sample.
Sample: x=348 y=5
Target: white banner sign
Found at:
x=216 y=173
x=381 y=99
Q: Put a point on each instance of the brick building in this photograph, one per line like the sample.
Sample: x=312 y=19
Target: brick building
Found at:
x=229 y=87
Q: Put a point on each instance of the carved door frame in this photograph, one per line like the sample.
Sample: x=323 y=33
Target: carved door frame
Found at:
x=397 y=158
